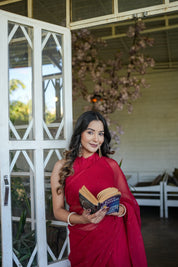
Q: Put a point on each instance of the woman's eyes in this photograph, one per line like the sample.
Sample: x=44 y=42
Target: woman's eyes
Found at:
x=101 y=134
x=91 y=133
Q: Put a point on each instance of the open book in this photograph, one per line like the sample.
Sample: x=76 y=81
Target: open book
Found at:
x=108 y=197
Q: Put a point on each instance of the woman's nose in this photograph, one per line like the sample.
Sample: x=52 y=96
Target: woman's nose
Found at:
x=95 y=137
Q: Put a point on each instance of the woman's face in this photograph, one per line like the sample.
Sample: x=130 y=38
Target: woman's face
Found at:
x=92 y=138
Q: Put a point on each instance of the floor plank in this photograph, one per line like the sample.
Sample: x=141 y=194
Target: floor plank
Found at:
x=160 y=237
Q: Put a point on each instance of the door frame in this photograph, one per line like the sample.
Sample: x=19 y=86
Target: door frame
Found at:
x=38 y=145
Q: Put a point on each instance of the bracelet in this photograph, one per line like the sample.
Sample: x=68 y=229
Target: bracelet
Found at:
x=124 y=210
x=68 y=218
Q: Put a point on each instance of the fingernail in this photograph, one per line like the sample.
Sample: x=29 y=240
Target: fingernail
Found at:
x=105 y=209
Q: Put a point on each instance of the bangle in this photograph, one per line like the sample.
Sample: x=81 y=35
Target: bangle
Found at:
x=68 y=218
x=124 y=210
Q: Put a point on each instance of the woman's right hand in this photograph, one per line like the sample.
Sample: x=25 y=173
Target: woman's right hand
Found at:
x=93 y=218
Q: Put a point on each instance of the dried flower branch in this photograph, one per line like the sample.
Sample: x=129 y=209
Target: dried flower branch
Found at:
x=110 y=91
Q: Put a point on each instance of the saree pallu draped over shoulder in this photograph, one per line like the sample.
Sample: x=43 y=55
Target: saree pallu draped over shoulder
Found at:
x=115 y=241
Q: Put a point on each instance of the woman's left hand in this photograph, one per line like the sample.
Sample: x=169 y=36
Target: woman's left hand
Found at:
x=122 y=211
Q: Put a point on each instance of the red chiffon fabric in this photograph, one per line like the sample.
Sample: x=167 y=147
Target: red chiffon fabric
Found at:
x=114 y=242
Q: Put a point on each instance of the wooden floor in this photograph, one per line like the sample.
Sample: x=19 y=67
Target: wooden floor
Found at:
x=160 y=237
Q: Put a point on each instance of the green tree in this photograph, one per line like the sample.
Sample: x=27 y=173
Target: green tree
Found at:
x=14 y=84
x=20 y=112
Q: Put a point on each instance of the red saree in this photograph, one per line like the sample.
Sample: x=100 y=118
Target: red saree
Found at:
x=114 y=242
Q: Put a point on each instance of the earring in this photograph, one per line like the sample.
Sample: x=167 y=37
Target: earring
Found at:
x=100 y=153
x=80 y=150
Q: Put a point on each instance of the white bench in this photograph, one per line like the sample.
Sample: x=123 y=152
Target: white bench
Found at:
x=151 y=195
x=170 y=197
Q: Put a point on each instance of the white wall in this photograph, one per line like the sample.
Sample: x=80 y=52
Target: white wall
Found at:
x=150 y=140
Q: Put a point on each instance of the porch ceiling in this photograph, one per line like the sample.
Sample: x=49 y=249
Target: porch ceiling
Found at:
x=163 y=28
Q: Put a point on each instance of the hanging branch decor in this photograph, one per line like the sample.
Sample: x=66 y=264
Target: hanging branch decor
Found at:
x=111 y=91
x=112 y=85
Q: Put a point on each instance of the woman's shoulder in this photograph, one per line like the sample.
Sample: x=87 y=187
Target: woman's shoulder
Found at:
x=112 y=162
x=58 y=165
x=55 y=173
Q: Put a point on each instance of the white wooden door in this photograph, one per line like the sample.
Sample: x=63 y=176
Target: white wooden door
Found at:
x=35 y=127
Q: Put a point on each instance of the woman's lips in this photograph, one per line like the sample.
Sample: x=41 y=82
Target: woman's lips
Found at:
x=93 y=145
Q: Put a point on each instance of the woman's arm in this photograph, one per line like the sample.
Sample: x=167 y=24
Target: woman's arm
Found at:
x=58 y=198
x=59 y=210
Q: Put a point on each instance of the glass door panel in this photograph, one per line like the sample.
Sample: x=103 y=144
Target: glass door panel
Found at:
x=57 y=232
x=23 y=208
x=52 y=73
x=20 y=40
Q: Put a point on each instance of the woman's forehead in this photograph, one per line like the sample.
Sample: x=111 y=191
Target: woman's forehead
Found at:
x=96 y=125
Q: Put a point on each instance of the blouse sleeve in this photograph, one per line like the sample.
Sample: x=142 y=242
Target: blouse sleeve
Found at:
x=132 y=219
x=126 y=196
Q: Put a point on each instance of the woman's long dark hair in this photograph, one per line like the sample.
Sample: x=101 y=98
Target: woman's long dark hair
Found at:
x=74 y=146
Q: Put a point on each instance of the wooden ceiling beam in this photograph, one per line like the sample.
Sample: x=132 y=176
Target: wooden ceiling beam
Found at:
x=157 y=29
x=7 y=2
x=123 y=16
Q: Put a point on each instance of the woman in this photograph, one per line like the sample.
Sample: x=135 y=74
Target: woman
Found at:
x=96 y=240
